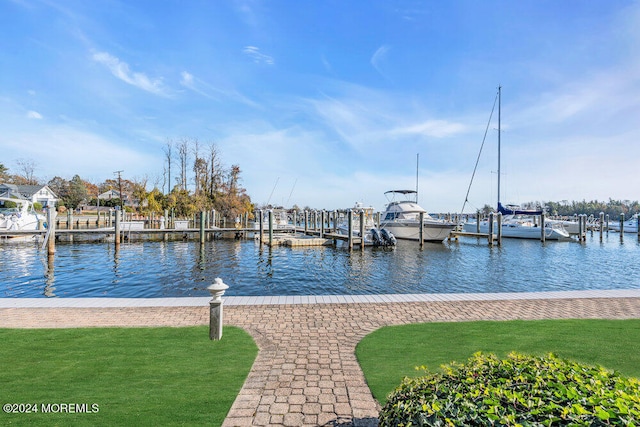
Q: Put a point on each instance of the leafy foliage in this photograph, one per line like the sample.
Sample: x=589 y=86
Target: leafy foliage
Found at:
x=520 y=390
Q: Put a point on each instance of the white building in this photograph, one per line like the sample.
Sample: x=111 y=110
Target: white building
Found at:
x=35 y=193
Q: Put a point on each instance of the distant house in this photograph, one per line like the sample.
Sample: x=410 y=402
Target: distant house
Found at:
x=114 y=194
x=35 y=193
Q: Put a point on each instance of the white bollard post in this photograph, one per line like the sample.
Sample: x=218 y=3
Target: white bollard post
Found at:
x=217 y=289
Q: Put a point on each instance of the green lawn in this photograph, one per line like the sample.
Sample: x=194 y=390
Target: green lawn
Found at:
x=391 y=353
x=135 y=376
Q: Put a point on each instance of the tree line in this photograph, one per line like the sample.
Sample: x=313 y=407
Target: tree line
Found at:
x=612 y=207
x=200 y=182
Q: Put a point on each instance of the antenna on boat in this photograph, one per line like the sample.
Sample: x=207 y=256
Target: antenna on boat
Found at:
x=417 y=162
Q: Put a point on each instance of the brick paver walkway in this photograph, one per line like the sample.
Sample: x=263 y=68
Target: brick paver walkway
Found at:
x=306 y=372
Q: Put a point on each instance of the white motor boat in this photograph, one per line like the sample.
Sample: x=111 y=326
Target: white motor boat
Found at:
x=628 y=226
x=402 y=219
x=18 y=215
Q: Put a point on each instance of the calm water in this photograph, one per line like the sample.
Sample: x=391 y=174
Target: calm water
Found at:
x=173 y=269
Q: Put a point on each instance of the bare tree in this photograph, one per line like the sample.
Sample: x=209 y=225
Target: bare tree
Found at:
x=167 y=153
x=215 y=171
x=197 y=165
x=27 y=168
x=183 y=154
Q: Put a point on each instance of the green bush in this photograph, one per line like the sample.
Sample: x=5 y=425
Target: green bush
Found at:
x=517 y=391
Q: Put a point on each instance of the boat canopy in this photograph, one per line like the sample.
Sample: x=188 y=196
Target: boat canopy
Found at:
x=401 y=191
x=514 y=210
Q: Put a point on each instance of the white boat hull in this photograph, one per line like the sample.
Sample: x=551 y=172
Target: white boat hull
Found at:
x=410 y=230
x=519 y=231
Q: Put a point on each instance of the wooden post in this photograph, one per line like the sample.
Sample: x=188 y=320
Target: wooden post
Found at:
x=261 y=225
x=322 y=224
x=478 y=222
x=421 y=232
x=270 y=227
x=117 y=228
x=601 y=225
x=350 y=229
x=306 y=222
x=362 y=229
x=543 y=236
x=51 y=232
x=295 y=222
x=622 y=226
x=499 y=231
x=490 y=231
x=202 y=223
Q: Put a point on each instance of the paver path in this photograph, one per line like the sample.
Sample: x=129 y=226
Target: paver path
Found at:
x=306 y=372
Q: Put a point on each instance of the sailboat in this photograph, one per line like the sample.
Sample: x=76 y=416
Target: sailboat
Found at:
x=516 y=222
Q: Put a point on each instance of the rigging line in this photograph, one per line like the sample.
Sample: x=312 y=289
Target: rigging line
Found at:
x=272 y=190
x=466 y=198
x=294 y=186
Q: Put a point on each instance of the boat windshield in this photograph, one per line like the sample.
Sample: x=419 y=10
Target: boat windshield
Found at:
x=9 y=211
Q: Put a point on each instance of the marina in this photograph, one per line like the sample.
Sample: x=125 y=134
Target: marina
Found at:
x=159 y=269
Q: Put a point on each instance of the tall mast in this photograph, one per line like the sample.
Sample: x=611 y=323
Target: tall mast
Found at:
x=499 y=132
x=417 y=163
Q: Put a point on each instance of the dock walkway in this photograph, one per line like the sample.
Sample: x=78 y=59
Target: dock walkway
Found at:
x=306 y=372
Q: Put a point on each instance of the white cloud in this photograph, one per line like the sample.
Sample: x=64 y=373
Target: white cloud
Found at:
x=187 y=79
x=379 y=57
x=257 y=56
x=432 y=128
x=34 y=115
x=121 y=70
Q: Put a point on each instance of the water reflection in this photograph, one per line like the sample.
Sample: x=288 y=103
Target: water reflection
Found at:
x=50 y=278
x=164 y=269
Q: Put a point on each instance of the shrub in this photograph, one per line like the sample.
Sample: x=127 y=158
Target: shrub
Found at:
x=517 y=391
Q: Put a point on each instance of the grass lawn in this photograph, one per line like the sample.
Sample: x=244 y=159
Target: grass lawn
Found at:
x=391 y=353
x=135 y=376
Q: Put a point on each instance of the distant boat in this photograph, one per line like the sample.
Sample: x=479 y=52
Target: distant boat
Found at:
x=21 y=217
x=402 y=219
x=516 y=222
x=629 y=226
x=280 y=221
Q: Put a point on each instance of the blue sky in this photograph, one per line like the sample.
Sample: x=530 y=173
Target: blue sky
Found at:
x=325 y=103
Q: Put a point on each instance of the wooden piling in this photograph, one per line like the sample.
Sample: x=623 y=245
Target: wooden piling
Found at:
x=543 y=236
x=601 y=225
x=117 y=229
x=350 y=229
x=490 y=234
x=270 y=227
x=499 y=231
x=421 y=232
x=362 y=229
x=202 y=226
x=51 y=232
x=622 y=226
